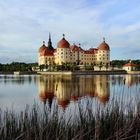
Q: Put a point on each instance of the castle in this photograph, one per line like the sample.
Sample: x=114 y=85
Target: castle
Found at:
x=67 y=53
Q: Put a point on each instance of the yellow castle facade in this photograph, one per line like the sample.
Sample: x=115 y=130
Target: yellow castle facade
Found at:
x=67 y=53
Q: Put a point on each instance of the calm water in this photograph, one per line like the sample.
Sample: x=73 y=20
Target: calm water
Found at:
x=66 y=92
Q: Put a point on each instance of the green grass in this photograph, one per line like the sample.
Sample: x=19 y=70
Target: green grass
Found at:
x=116 y=121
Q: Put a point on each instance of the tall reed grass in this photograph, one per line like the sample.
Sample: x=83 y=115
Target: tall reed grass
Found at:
x=113 y=122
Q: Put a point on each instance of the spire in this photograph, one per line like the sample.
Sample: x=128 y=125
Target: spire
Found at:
x=50 y=43
x=49 y=36
x=103 y=39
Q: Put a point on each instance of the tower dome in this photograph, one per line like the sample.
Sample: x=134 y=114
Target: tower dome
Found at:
x=63 y=43
x=104 y=46
x=42 y=48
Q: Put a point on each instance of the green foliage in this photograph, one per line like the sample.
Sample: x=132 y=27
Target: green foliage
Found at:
x=120 y=63
x=137 y=62
x=0 y=67
x=17 y=66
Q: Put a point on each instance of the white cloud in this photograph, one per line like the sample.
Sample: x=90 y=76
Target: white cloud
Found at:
x=24 y=24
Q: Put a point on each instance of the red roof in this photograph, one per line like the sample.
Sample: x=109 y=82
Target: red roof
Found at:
x=63 y=43
x=104 y=46
x=76 y=48
x=89 y=52
x=130 y=64
x=93 y=49
x=42 y=48
x=47 y=52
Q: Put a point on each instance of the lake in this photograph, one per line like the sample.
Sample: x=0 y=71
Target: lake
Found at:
x=66 y=92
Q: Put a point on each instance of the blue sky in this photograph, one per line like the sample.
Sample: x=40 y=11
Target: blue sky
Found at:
x=25 y=24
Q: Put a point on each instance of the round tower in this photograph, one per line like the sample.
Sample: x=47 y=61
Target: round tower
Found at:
x=103 y=53
x=62 y=51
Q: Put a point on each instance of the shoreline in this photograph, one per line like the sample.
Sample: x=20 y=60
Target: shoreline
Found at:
x=109 y=72
x=83 y=72
x=17 y=73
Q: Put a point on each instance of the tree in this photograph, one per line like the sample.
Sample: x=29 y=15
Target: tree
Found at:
x=92 y=65
x=100 y=65
x=41 y=67
x=106 y=66
x=0 y=67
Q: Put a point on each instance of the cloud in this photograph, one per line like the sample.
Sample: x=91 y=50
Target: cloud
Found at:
x=25 y=24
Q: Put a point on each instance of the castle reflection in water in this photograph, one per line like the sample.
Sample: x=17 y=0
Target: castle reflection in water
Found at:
x=71 y=91
x=67 y=89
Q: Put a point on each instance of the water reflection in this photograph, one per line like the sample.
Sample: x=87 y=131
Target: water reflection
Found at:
x=18 y=79
x=70 y=89
x=128 y=80
x=66 y=91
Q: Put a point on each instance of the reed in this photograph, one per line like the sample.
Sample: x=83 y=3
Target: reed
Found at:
x=115 y=121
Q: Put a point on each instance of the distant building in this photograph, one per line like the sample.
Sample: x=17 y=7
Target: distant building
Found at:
x=65 y=52
x=129 y=66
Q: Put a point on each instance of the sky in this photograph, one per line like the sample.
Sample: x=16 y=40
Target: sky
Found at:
x=25 y=24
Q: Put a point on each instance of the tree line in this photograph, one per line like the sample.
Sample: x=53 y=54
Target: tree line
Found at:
x=120 y=63
x=17 y=66
x=21 y=66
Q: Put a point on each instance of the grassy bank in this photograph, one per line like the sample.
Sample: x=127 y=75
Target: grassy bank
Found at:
x=116 y=121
